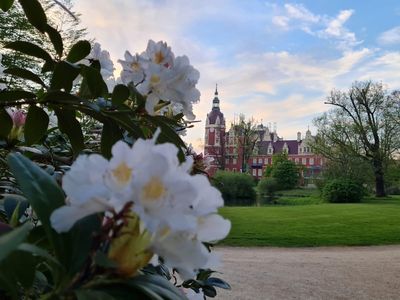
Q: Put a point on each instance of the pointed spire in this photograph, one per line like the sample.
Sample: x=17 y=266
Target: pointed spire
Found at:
x=216 y=89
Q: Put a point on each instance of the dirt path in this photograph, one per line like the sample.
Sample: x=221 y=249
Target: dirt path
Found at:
x=311 y=273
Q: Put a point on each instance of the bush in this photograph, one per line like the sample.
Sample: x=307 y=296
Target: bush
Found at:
x=343 y=191
x=236 y=188
x=266 y=188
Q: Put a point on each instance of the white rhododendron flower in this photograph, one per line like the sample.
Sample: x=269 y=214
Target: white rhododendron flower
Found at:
x=158 y=75
x=132 y=68
x=178 y=210
x=159 y=53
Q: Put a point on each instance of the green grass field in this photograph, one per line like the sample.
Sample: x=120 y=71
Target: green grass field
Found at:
x=374 y=222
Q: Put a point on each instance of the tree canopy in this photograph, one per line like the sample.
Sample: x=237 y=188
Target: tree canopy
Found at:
x=364 y=123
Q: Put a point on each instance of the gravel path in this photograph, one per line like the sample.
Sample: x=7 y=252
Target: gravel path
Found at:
x=311 y=273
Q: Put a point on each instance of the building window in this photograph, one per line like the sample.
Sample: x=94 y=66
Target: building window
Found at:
x=303 y=160
x=234 y=161
x=227 y=161
x=260 y=172
x=311 y=161
x=269 y=150
x=254 y=172
x=254 y=160
x=260 y=160
x=296 y=160
x=307 y=161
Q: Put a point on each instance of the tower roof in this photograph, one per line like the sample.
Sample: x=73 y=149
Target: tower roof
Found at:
x=215 y=112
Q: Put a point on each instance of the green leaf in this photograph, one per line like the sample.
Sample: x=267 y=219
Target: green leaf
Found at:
x=67 y=98
x=78 y=242
x=35 y=14
x=10 y=96
x=119 y=94
x=64 y=75
x=78 y=51
x=36 y=125
x=25 y=74
x=36 y=251
x=55 y=39
x=15 y=205
x=213 y=281
x=6 y=123
x=110 y=134
x=94 y=81
x=42 y=192
x=68 y=124
x=5 y=5
x=156 y=285
x=92 y=295
x=31 y=50
x=10 y=241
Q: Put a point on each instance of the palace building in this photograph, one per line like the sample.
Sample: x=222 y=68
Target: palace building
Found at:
x=226 y=147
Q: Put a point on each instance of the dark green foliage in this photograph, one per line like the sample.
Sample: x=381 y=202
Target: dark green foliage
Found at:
x=236 y=188
x=266 y=189
x=343 y=191
x=285 y=171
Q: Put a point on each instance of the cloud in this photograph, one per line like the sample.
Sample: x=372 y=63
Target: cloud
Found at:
x=390 y=37
x=335 y=29
x=296 y=16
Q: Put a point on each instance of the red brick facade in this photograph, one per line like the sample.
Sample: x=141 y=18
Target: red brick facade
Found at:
x=224 y=147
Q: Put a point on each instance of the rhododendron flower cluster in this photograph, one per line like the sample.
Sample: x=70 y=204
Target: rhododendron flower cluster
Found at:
x=159 y=75
x=178 y=210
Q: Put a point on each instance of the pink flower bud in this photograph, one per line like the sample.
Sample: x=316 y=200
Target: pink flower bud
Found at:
x=18 y=117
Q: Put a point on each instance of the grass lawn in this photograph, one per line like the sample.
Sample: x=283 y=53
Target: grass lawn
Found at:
x=374 y=222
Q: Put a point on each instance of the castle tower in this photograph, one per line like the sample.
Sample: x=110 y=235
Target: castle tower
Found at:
x=214 y=144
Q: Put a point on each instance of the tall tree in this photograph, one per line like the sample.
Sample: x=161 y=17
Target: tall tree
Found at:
x=365 y=123
x=247 y=137
x=14 y=26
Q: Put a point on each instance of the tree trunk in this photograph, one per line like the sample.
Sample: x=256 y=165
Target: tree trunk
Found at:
x=379 y=179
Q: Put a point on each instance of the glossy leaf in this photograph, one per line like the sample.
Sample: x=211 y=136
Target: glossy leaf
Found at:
x=64 y=75
x=94 y=81
x=36 y=125
x=36 y=251
x=154 y=284
x=217 y=282
x=20 y=268
x=55 y=39
x=69 y=125
x=35 y=13
x=6 y=123
x=42 y=192
x=30 y=49
x=10 y=96
x=119 y=94
x=79 y=51
x=5 y=5
x=10 y=241
x=12 y=202
x=24 y=74
x=110 y=134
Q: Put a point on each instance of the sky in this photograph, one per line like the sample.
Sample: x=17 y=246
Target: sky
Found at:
x=275 y=61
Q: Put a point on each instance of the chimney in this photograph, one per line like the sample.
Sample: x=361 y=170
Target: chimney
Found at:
x=299 y=136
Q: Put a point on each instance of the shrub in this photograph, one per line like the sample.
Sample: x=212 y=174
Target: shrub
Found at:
x=343 y=191
x=236 y=188
x=266 y=188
